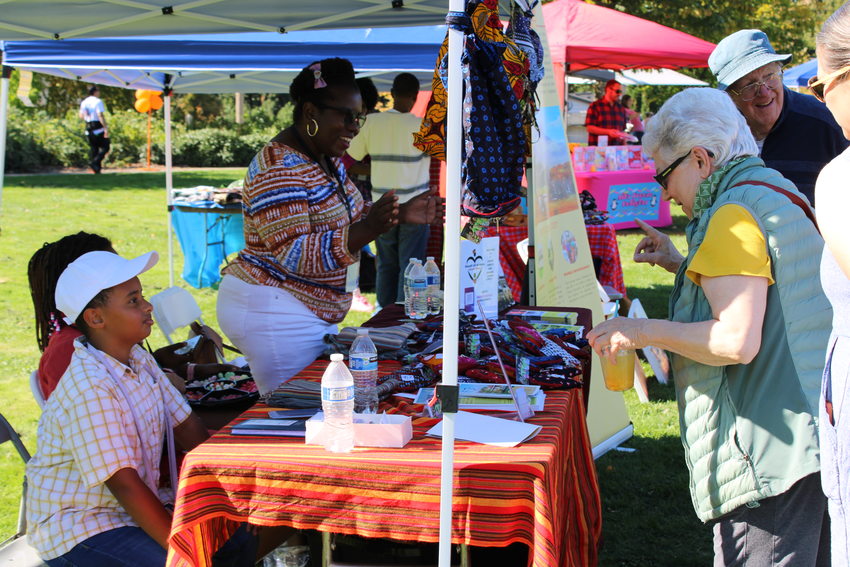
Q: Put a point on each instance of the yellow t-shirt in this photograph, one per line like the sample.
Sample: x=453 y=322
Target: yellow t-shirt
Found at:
x=734 y=245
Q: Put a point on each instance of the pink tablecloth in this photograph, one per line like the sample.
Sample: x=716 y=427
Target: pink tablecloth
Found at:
x=627 y=195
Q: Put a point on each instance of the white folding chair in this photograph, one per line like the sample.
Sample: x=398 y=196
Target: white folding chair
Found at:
x=36 y=389
x=174 y=308
x=16 y=550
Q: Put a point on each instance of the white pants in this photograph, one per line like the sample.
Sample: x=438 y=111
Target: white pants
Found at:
x=277 y=333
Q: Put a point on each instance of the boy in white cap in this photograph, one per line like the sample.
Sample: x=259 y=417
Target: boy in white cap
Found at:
x=93 y=497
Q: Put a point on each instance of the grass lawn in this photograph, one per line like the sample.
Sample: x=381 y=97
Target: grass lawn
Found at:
x=647 y=515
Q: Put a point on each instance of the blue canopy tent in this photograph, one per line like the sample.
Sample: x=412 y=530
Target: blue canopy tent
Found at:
x=228 y=63
x=798 y=76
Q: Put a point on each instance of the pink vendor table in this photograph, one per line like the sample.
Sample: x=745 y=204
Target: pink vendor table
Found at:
x=627 y=195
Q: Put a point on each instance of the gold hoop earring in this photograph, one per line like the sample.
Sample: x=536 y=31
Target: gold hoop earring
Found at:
x=316 y=131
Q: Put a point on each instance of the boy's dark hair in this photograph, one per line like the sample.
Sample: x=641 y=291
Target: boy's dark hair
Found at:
x=405 y=84
x=93 y=89
x=337 y=73
x=44 y=269
x=98 y=300
x=368 y=92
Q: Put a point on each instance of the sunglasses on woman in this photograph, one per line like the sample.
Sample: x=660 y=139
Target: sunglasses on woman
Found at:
x=661 y=178
x=349 y=115
x=818 y=86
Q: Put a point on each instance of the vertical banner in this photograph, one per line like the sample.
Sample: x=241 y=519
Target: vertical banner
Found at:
x=564 y=267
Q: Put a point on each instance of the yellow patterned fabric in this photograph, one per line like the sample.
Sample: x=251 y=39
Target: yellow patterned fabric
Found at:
x=87 y=434
x=486 y=25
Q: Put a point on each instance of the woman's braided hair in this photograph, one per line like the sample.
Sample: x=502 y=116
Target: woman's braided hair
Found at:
x=44 y=269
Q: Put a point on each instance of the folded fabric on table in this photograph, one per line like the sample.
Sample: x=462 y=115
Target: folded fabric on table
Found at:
x=385 y=338
x=295 y=394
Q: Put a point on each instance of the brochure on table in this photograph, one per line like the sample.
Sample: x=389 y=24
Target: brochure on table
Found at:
x=489 y=397
x=479 y=276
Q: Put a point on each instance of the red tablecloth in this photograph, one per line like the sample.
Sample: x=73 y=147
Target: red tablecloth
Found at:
x=603 y=244
x=542 y=493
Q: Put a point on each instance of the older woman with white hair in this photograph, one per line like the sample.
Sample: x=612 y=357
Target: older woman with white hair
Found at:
x=747 y=330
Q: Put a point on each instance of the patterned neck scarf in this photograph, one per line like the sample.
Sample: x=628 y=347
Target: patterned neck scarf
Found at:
x=707 y=192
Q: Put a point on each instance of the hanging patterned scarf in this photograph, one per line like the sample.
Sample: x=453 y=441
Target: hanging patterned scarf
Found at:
x=707 y=192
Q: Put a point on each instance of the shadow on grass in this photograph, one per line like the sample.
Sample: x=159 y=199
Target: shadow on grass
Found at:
x=116 y=180
x=647 y=515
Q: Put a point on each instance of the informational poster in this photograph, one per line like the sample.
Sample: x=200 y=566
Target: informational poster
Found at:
x=563 y=265
x=633 y=201
x=479 y=276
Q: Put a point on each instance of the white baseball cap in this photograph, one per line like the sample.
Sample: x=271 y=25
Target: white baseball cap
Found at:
x=93 y=272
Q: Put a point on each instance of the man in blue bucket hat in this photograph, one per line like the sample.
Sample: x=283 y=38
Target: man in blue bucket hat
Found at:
x=795 y=133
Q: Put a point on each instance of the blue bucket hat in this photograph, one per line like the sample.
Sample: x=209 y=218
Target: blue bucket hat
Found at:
x=740 y=53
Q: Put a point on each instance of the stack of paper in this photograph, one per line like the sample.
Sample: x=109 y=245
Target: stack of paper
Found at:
x=488 y=430
x=276 y=427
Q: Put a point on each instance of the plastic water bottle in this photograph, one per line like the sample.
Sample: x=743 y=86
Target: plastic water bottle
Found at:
x=406 y=285
x=434 y=295
x=338 y=406
x=418 y=292
x=363 y=363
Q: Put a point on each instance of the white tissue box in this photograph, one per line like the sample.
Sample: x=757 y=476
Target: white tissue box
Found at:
x=370 y=430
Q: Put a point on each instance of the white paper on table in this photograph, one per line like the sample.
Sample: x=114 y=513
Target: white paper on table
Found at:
x=488 y=430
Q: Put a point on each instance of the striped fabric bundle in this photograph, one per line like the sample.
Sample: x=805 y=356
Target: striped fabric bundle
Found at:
x=385 y=338
x=543 y=493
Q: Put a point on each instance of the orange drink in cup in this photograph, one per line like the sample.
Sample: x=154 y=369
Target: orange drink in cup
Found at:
x=620 y=376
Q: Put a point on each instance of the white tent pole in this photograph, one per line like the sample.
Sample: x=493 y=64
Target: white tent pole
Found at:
x=168 y=187
x=4 y=106
x=451 y=302
x=529 y=204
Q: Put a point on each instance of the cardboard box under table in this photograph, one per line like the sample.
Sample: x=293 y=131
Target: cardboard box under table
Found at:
x=542 y=493
x=627 y=195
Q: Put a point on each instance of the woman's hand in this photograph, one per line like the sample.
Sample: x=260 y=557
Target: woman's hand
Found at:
x=426 y=208
x=657 y=248
x=383 y=215
x=619 y=333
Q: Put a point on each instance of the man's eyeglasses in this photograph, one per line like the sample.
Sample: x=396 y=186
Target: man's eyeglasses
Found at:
x=350 y=117
x=751 y=91
x=661 y=178
x=818 y=86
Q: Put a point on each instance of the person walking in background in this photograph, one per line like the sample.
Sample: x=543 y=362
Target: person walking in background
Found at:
x=92 y=111
x=795 y=133
x=832 y=86
x=633 y=117
x=747 y=333
x=396 y=165
x=607 y=117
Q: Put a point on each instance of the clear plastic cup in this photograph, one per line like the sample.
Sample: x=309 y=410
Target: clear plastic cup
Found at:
x=620 y=376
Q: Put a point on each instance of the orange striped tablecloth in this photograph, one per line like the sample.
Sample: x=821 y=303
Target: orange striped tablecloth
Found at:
x=542 y=493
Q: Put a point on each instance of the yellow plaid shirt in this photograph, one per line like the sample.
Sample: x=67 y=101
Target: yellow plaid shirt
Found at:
x=85 y=435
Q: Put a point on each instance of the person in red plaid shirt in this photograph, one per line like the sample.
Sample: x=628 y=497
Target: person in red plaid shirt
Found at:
x=607 y=117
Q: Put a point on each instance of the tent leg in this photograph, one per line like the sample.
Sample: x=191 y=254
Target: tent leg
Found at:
x=451 y=302
x=4 y=106
x=169 y=185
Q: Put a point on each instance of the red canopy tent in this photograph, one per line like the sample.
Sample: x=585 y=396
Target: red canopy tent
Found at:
x=586 y=36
